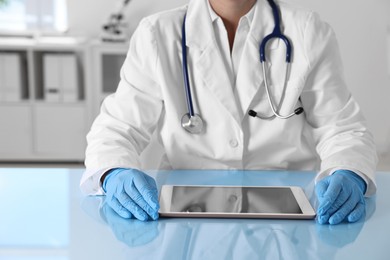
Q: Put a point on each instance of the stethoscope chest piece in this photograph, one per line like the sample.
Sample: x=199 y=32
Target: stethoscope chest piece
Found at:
x=193 y=124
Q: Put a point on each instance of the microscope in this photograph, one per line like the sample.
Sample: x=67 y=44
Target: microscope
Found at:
x=115 y=30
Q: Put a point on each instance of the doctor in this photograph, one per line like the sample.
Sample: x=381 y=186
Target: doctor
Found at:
x=226 y=82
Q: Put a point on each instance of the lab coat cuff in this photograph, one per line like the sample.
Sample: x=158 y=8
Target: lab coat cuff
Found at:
x=109 y=169
x=90 y=183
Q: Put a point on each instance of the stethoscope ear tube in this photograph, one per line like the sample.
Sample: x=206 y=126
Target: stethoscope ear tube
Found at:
x=276 y=34
x=252 y=113
x=298 y=111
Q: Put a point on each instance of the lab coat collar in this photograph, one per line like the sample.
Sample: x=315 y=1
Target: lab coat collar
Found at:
x=247 y=17
x=213 y=14
x=200 y=35
x=263 y=23
x=207 y=58
x=200 y=32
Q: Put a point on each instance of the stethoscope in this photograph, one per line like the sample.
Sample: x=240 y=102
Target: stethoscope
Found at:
x=193 y=122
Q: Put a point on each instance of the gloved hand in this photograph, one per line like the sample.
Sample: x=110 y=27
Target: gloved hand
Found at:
x=131 y=193
x=341 y=196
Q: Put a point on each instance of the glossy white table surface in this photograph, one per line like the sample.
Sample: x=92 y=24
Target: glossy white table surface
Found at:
x=44 y=216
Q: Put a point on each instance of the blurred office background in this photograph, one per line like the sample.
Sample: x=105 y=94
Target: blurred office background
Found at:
x=55 y=69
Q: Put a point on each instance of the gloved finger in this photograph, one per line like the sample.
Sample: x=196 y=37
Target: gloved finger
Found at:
x=152 y=184
x=340 y=200
x=118 y=208
x=344 y=210
x=147 y=189
x=357 y=213
x=323 y=219
x=321 y=187
x=329 y=196
x=138 y=199
x=128 y=203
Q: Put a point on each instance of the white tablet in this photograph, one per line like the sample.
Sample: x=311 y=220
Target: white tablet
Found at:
x=234 y=202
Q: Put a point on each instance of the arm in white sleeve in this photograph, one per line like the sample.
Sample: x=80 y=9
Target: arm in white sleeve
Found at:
x=339 y=128
x=128 y=117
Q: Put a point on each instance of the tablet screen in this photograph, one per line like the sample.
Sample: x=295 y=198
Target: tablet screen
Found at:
x=234 y=200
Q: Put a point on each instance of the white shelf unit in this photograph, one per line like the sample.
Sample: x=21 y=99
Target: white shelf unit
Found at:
x=107 y=60
x=33 y=129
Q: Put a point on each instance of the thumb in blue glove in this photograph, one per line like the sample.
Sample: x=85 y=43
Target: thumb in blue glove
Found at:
x=340 y=197
x=130 y=192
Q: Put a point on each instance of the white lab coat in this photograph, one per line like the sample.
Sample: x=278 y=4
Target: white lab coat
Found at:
x=330 y=134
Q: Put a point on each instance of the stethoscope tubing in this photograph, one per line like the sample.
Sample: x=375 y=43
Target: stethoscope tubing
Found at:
x=192 y=121
x=271 y=104
x=185 y=71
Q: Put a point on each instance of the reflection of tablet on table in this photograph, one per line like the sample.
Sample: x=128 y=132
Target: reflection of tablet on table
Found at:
x=235 y=202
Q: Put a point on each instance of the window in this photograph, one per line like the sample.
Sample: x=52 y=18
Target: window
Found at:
x=33 y=15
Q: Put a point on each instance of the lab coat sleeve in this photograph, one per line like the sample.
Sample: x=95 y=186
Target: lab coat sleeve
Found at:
x=129 y=116
x=339 y=128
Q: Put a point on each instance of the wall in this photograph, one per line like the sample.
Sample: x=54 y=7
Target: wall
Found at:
x=87 y=16
x=361 y=26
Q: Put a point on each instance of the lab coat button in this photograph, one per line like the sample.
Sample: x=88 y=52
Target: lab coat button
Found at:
x=233 y=143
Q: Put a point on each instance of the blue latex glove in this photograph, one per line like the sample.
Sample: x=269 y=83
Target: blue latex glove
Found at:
x=131 y=193
x=341 y=197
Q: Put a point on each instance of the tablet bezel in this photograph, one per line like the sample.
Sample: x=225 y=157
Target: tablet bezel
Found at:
x=307 y=210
